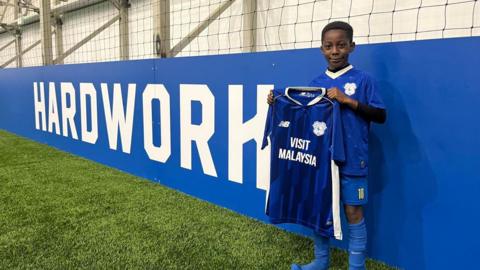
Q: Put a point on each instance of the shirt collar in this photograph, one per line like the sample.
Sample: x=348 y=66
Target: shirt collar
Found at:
x=339 y=73
x=302 y=88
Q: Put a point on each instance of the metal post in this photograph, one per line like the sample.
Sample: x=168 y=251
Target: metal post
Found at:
x=249 y=25
x=46 y=32
x=161 y=28
x=123 y=24
x=58 y=34
x=18 y=36
x=18 y=48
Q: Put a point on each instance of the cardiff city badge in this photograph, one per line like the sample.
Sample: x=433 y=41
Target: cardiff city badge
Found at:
x=319 y=128
x=350 y=88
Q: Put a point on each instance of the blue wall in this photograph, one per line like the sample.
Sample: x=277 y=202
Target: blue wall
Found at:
x=421 y=212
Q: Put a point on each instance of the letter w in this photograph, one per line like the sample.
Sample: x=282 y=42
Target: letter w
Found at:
x=115 y=117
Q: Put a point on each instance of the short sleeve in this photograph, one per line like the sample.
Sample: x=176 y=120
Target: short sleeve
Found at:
x=373 y=97
x=338 y=147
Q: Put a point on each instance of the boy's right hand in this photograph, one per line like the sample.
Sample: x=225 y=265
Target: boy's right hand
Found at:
x=270 y=98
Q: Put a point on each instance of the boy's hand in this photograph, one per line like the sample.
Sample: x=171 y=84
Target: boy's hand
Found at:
x=336 y=94
x=270 y=98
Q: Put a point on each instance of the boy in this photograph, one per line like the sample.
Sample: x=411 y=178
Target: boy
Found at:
x=360 y=104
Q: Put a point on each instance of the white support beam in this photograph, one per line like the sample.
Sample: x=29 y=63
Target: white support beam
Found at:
x=115 y=3
x=3 y=13
x=161 y=27
x=86 y=39
x=202 y=26
x=249 y=25
x=6 y=45
x=60 y=9
x=73 y=5
x=27 y=6
x=6 y=3
x=46 y=32
x=22 y=52
x=123 y=29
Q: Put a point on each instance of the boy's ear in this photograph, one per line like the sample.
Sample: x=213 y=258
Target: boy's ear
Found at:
x=352 y=46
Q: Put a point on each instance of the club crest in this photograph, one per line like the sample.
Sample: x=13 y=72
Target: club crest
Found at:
x=319 y=128
x=350 y=88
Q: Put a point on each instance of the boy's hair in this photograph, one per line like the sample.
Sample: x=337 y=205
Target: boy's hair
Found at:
x=341 y=26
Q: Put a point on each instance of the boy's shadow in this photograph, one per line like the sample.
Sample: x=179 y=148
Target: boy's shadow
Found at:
x=401 y=180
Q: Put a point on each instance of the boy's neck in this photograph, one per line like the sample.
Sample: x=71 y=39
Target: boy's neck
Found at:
x=337 y=69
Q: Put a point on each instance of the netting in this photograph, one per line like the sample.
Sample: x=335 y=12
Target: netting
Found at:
x=85 y=31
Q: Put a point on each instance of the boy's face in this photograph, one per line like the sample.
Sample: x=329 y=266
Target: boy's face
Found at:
x=336 y=47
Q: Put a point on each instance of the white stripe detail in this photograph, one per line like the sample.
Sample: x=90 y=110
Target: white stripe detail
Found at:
x=337 y=225
x=267 y=190
x=267 y=193
x=339 y=73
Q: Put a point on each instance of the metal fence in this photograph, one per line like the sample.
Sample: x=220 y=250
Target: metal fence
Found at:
x=44 y=32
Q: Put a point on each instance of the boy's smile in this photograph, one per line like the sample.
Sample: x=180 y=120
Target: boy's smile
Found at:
x=336 y=47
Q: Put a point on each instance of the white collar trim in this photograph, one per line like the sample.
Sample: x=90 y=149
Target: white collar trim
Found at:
x=339 y=73
x=303 y=88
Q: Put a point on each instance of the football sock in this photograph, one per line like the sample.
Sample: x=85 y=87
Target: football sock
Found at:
x=357 y=246
x=321 y=251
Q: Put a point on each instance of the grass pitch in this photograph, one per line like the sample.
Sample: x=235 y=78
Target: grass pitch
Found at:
x=59 y=211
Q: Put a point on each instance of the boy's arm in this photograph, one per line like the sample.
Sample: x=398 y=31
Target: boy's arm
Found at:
x=371 y=113
x=368 y=112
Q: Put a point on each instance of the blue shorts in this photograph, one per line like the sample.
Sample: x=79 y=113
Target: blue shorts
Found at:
x=353 y=190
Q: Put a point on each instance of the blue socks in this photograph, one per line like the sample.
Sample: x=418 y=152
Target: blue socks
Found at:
x=356 y=249
x=321 y=251
x=357 y=245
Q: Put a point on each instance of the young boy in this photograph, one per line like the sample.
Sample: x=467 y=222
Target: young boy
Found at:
x=360 y=105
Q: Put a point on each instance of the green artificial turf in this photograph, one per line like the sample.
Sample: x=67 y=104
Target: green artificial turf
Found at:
x=59 y=211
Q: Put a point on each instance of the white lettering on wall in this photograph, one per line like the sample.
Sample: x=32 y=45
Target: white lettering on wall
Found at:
x=88 y=89
x=119 y=121
x=157 y=92
x=53 y=119
x=115 y=117
x=39 y=103
x=68 y=112
x=199 y=133
x=240 y=132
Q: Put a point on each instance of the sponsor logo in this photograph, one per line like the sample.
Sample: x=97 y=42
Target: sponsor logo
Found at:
x=284 y=124
x=307 y=94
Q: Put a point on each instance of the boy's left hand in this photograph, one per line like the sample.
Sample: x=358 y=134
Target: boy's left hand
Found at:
x=336 y=94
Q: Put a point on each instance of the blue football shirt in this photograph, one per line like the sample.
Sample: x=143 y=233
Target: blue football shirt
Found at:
x=306 y=137
x=361 y=87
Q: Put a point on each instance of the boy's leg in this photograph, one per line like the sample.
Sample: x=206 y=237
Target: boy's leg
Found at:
x=321 y=249
x=357 y=246
x=354 y=195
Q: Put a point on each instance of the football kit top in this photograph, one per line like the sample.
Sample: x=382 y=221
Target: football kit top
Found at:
x=306 y=137
x=361 y=87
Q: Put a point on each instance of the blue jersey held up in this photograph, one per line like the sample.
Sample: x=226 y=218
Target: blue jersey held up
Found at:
x=361 y=87
x=306 y=137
